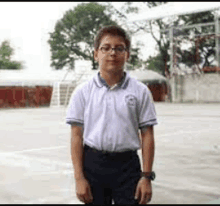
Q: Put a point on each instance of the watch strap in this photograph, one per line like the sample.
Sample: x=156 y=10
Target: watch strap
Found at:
x=148 y=175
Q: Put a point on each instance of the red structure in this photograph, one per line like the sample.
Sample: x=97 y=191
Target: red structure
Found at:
x=159 y=91
x=15 y=97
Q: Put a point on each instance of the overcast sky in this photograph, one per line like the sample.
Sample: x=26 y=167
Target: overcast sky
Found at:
x=27 y=24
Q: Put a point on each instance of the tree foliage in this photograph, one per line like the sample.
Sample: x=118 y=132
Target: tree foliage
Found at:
x=163 y=42
x=74 y=34
x=6 y=52
x=155 y=63
x=120 y=16
x=202 y=48
x=134 y=60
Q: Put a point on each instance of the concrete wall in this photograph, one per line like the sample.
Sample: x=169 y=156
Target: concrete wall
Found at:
x=196 y=88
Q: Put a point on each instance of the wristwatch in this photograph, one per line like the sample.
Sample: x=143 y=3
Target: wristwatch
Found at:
x=148 y=175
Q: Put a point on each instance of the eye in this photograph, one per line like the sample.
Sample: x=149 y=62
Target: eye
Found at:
x=105 y=48
x=120 y=49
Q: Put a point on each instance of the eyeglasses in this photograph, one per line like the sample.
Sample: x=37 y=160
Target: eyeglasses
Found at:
x=118 y=50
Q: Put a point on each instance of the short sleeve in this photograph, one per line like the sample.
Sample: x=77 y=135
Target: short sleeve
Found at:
x=147 y=112
x=77 y=124
x=75 y=109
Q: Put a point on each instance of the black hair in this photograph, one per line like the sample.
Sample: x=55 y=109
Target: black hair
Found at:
x=112 y=30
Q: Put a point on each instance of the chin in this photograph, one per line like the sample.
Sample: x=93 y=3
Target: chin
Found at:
x=114 y=69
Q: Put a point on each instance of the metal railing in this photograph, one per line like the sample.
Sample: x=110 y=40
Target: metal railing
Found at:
x=24 y=83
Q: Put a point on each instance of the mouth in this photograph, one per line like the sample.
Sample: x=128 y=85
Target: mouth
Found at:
x=112 y=61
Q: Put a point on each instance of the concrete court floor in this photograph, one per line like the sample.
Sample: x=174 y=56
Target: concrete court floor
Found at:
x=35 y=162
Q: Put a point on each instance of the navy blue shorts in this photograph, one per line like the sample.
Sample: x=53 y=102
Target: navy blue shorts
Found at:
x=112 y=176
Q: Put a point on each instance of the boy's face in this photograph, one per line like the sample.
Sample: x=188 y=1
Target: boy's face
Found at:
x=111 y=60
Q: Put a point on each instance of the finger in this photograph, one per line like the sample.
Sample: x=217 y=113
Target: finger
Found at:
x=149 y=196
x=143 y=198
x=137 y=193
x=88 y=196
x=81 y=198
x=148 y=199
x=88 y=199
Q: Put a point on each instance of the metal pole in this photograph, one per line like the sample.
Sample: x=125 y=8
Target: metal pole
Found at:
x=218 y=44
x=217 y=38
x=68 y=70
x=67 y=94
x=173 y=81
x=58 y=95
x=171 y=49
x=191 y=26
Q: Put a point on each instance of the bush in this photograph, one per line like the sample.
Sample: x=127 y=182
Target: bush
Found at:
x=13 y=65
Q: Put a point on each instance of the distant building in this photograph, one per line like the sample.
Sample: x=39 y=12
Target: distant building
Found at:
x=24 y=88
x=157 y=83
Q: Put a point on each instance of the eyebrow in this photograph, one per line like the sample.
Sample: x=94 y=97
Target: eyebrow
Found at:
x=115 y=45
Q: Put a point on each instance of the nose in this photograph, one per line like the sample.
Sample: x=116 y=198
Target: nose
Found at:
x=113 y=50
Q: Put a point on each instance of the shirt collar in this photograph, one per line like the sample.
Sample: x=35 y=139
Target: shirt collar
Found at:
x=100 y=82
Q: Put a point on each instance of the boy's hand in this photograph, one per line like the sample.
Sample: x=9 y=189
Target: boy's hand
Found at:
x=143 y=191
x=83 y=191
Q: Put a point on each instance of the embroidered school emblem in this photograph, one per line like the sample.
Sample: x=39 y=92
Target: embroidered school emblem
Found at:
x=130 y=100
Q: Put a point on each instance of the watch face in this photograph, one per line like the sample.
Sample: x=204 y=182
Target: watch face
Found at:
x=149 y=175
x=153 y=175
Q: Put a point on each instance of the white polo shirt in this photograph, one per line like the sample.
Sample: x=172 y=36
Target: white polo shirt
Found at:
x=111 y=118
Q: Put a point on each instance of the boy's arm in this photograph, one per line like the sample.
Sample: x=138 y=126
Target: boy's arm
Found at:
x=144 y=189
x=77 y=151
x=147 y=136
x=83 y=190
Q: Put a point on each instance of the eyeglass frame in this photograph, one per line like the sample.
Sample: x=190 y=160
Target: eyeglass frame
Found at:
x=115 y=49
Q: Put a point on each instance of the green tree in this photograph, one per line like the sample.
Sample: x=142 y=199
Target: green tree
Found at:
x=120 y=15
x=203 y=46
x=6 y=52
x=202 y=49
x=205 y=51
x=163 y=43
x=134 y=59
x=74 y=34
x=155 y=63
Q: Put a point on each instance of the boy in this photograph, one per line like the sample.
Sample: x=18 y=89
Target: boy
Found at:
x=106 y=114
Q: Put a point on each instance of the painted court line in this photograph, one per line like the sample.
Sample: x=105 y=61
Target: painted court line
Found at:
x=64 y=146
x=12 y=159
x=185 y=132
x=36 y=149
x=16 y=157
x=59 y=172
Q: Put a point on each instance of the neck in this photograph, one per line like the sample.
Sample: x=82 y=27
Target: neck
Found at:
x=112 y=78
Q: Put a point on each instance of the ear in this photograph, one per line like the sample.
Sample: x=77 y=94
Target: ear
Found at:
x=96 y=55
x=127 y=56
